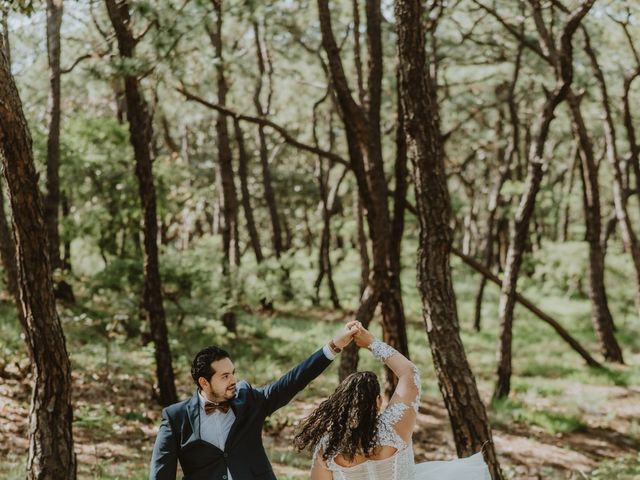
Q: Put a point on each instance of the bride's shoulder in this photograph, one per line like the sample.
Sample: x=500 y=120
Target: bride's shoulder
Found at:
x=387 y=421
x=392 y=414
x=321 y=445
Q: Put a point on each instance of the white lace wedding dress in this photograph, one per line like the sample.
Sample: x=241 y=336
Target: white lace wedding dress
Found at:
x=401 y=466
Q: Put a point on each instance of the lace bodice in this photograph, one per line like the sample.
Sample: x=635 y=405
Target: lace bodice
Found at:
x=400 y=465
x=397 y=467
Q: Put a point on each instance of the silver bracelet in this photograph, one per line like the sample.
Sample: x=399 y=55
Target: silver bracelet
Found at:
x=381 y=350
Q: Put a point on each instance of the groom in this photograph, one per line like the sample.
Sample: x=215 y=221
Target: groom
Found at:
x=217 y=433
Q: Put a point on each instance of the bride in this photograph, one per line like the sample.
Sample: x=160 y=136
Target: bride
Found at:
x=353 y=441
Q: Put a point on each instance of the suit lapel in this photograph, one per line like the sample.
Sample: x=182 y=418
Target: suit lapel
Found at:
x=193 y=412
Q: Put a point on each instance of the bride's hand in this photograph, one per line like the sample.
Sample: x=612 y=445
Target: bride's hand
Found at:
x=363 y=337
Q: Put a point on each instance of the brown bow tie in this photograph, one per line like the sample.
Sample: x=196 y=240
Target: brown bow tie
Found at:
x=211 y=407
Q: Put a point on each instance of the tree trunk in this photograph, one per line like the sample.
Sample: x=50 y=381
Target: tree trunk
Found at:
x=600 y=314
x=4 y=32
x=269 y=194
x=529 y=305
x=563 y=66
x=140 y=135
x=629 y=236
x=228 y=196
x=362 y=128
x=634 y=148
x=66 y=250
x=8 y=254
x=566 y=217
x=510 y=152
x=327 y=209
x=361 y=240
x=467 y=413
x=51 y=454
x=393 y=319
x=246 y=196
x=226 y=185
x=52 y=199
x=327 y=205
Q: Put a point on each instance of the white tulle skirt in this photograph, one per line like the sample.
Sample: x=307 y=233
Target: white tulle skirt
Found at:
x=470 y=468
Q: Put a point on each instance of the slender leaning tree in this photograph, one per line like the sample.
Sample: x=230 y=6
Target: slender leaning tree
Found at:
x=425 y=150
x=140 y=134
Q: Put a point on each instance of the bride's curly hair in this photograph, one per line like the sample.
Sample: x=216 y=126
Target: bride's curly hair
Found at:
x=347 y=418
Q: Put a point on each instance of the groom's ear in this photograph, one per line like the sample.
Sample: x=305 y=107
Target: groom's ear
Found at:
x=202 y=382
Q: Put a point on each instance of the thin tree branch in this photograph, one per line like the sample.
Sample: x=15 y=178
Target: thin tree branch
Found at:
x=288 y=137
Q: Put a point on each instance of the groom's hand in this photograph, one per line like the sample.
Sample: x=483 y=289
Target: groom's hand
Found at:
x=345 y=336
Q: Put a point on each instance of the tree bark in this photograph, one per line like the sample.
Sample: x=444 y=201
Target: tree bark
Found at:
x=361 y=240
x=66 y=246
x=140 y=136
x=600 y=314
x=246 y=196
x=267 y=183
x=362 y=128
x=4 y=32
x=228 y=196
x=467 y=414
x=357 y=51
x=629 y=235
x=324 y=260
x=52 y=199
x=566 y=218
x=562 y=63
x=529 y=305
x=8 y=254
x=51 y=454
x=226 y=185
x=327 y=208
x=510 y=152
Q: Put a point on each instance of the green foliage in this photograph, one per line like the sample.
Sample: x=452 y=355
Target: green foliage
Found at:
x=26 y=7
x=508 y=411
x=620 y=469
x=97 y=174
x=561 y=266
x=108 y=338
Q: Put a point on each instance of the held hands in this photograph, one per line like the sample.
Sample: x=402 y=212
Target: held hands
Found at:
x=363 y=337
x=345 y=336
x=353 y=331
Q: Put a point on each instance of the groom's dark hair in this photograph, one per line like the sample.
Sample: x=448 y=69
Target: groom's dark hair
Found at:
x=201 y=366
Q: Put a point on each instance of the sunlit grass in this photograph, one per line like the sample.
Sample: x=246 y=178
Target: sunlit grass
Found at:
x=619 y=469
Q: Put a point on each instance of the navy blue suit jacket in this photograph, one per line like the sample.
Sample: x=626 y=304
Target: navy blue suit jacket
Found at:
x=179 y=437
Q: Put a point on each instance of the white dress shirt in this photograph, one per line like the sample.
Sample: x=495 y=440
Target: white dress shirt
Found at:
x=215 y=428
x=328 y=352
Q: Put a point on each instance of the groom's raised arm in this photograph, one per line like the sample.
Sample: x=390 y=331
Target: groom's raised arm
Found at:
x=280 y=392
x=164 y=461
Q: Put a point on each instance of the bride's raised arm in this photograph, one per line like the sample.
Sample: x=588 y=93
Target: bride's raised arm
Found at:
x=407 y=392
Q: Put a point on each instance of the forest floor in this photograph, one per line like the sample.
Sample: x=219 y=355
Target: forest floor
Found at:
x=562 y=420
x=586 y=425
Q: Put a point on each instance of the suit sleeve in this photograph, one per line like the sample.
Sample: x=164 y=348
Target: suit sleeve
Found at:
x=164 y=460
x=280 y=392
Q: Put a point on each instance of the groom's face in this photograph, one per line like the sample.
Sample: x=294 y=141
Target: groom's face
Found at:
x=222 y=385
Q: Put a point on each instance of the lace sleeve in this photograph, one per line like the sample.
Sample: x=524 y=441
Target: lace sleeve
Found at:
x=381 y=350
x=316 y=451
x=416 y=381
x=384 y=352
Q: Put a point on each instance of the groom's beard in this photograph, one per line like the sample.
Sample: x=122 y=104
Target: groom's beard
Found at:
x=230 y=393
x=223 y=396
